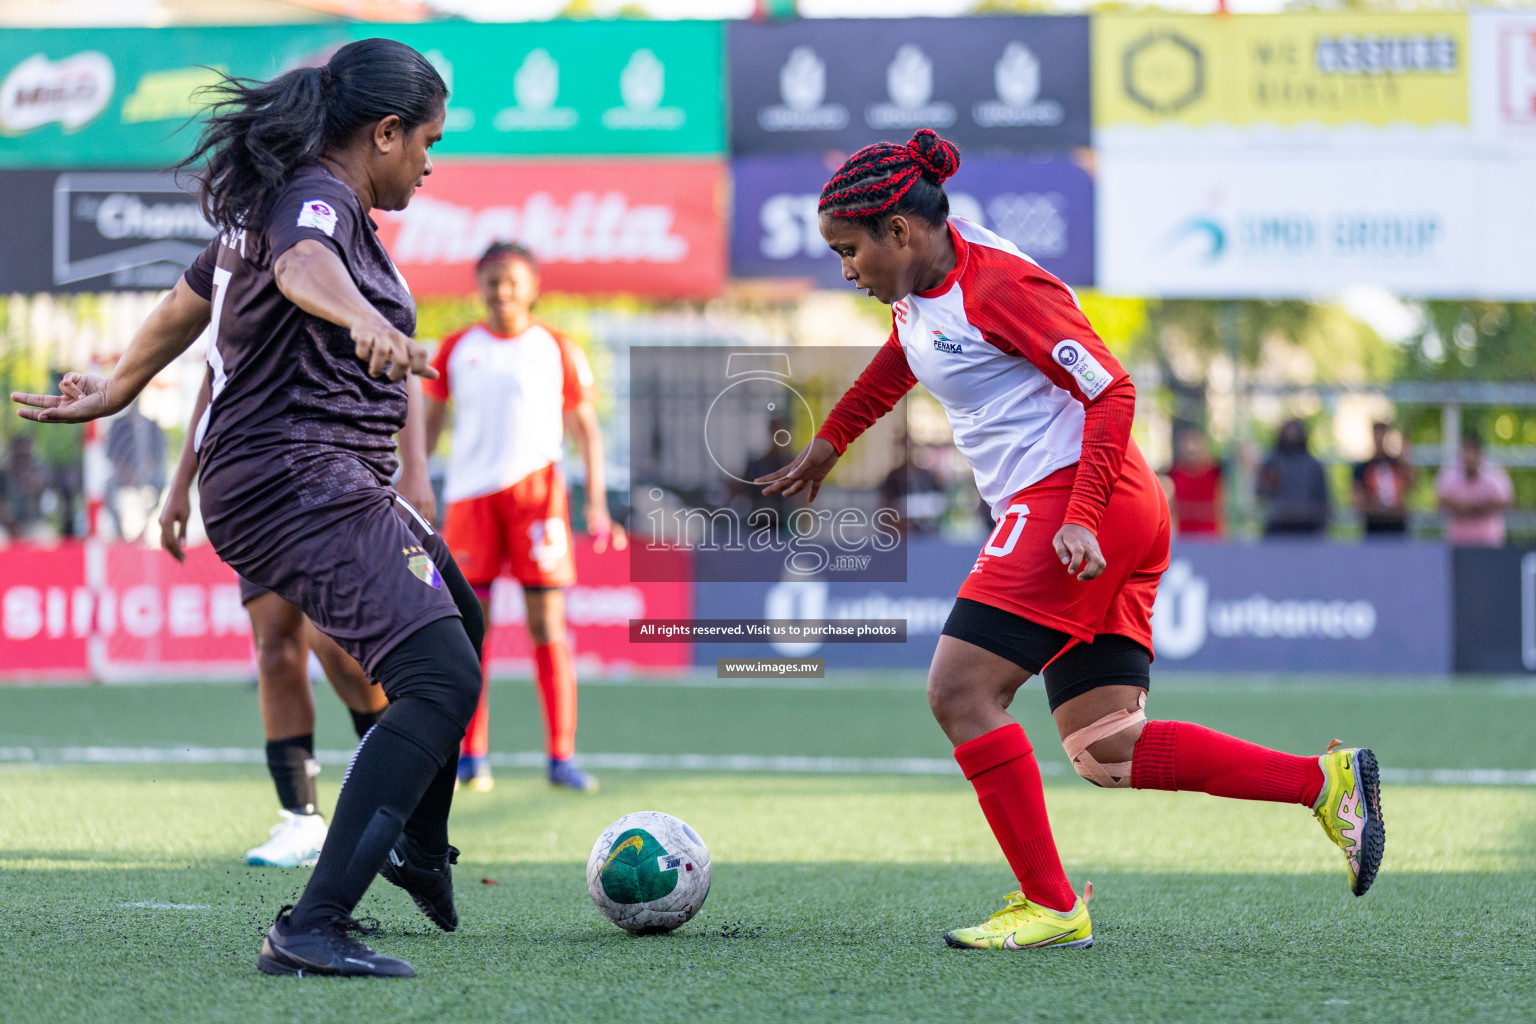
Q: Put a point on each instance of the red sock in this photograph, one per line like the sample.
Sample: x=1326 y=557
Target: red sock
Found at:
x=477 y=736
x=556 y=676
x=1182 y=755
x=1001 y=765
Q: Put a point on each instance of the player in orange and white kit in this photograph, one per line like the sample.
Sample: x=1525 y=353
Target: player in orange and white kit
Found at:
x=516 y=386
x=1065 y=584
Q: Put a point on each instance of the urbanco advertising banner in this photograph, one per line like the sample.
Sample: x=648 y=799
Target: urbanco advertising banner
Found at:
x=1003 y=84
x=1043 y=205
x=124 y=97
x=653 y=227
x=1495 y=600
x=1305 y=606
x=1324 y=70
x=96 y=230
x=122 y=612
x=1504 y=79
x=1304 y=228
x=576 y=87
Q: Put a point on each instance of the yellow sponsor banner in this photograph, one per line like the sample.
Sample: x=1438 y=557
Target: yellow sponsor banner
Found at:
x=1280 y=69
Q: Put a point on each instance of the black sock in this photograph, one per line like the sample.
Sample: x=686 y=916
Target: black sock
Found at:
x=428 y=825
x=383 y=785
x=362 y=721
x=293 y=767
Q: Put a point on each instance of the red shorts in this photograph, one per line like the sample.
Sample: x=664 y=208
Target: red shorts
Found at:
x=1018 y=570
x=525 y=529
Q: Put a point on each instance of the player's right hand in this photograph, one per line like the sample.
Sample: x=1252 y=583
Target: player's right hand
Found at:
x=81 y=397
x=808 y=470
x=390 y=353
x=173 y=521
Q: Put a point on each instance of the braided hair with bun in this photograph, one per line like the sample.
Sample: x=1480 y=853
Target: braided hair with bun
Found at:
x=885 y=178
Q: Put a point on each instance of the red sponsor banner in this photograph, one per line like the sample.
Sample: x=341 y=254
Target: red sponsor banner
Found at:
x=647 y=227
x=598 y=608
x=119 y=612
x=46 y=612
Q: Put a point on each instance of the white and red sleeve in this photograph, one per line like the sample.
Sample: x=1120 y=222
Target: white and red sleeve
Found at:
x=577 y=384
x=882 y=384
x=1036 y=317
x=441 y=388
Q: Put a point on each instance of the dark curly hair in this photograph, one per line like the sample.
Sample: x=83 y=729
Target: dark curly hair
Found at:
x=886 y=178
x=259 y=133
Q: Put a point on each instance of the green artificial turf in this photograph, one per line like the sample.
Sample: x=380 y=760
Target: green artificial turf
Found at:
x=125 y=897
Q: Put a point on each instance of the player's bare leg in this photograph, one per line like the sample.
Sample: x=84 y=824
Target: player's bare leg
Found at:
x=969 y=691
x=555 y=674
x=364 y=699
x=288 y=719
x=474 y=769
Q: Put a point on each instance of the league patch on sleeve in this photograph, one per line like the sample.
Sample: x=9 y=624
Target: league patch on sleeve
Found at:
x=316 y=214
x=1091 y=376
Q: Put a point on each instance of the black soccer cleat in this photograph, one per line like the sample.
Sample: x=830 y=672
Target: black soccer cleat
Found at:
x=428 y=879
x=327 y=949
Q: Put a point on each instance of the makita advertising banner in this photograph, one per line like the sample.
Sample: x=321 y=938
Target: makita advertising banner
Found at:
x=647 y=228
x=123 y=97
x=1043 y=205
x=1000 y=84
x=1305 y=606
x=69 y=231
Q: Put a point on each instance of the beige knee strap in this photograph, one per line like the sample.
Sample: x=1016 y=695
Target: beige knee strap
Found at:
x=1109 y=776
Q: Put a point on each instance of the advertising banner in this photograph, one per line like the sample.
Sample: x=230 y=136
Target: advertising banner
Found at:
x=72 y=231
x=1495 y=609
x=650 y=228
x=1003 y=84
x=569 y=87
x=120 y=97
x=1042 y=205
x=1504 y=78
x=1305 y=607
x=1302 y=228
x=1323 y=69
x=139 y=615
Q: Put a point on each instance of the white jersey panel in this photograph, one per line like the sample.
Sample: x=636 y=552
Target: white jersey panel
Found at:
x=1012 y=424
x=508 y=410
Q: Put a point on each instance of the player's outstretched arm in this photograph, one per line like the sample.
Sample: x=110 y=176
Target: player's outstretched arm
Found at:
x=415 y=483
x=178 y=497
x=808 y=470
x=313 y=277
x=173 y=325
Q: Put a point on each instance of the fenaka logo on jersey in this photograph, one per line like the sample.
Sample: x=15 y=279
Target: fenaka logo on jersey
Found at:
x=422 y=567
x=943 y=344
x=1090 y=373
x=315 y=214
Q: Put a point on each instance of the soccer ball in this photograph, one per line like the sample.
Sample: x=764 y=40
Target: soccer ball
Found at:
x=648 y=873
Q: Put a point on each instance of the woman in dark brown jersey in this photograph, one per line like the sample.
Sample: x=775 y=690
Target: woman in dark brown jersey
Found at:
x=309 y=344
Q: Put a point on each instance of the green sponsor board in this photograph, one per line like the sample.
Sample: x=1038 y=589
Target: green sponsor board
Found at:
x=577 y=87
x=120 y=97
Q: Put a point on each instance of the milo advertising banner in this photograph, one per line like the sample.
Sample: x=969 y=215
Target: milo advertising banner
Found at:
x=85 y=98
x=1001 y=84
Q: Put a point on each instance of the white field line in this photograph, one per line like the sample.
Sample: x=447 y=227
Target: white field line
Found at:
x=682 y=763
x=166 y=906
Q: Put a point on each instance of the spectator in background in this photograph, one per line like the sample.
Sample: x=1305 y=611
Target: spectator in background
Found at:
x=1294 y=484
x=916 y=489
x=1381 y=488
x=1196 y=479
x=1474 y=494
x=22 y=486
x=136 y=451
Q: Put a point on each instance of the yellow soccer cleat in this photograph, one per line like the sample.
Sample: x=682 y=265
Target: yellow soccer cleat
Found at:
x=1349 y=806
x=1025 y=925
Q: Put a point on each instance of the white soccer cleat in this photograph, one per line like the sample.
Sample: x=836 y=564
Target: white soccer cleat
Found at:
x=295 y=842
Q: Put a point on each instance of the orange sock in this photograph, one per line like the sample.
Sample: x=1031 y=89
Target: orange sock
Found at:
x=556 y=676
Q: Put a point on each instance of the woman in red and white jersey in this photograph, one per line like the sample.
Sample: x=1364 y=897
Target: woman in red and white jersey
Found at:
x=517 y=386
x=1065 y=584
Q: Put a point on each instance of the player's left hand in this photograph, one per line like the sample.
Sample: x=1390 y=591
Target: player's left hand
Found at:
x=1078 y=550
x=81 y=397
x=418 y=491
x=603 y=529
